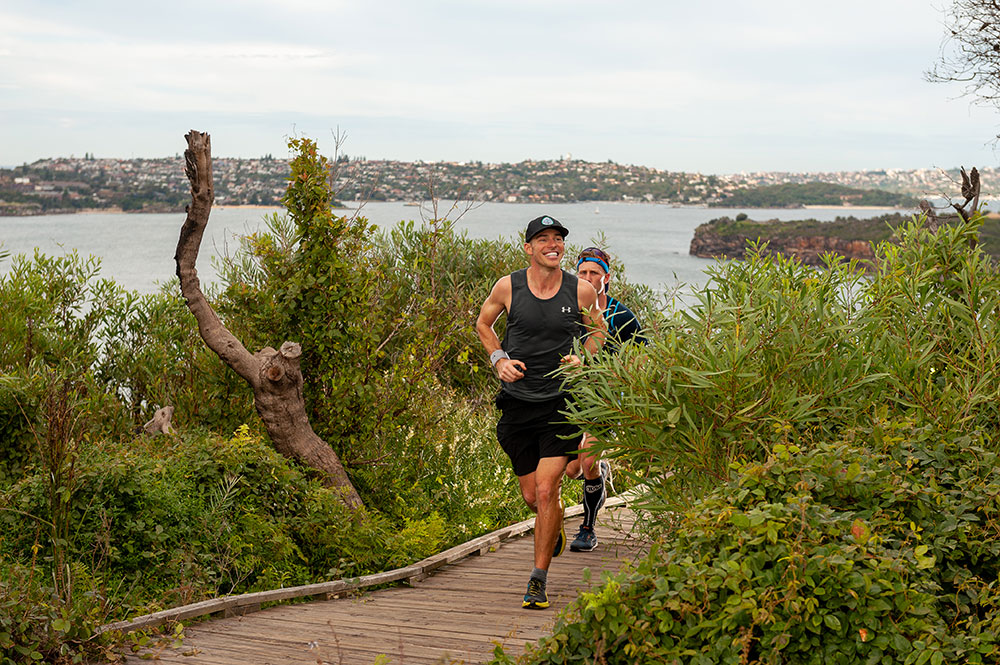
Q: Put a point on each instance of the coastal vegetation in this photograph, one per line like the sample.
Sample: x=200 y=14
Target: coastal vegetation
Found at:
x=817 y=447
x=820 y=449
x=100 y=521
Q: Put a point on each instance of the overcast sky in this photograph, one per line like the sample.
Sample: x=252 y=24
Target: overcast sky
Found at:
x=716 y=87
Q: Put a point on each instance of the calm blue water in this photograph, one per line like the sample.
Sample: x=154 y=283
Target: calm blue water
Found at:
x=137 y=250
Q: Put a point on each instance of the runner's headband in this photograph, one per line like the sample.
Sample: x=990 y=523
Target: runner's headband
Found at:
x=597 y=255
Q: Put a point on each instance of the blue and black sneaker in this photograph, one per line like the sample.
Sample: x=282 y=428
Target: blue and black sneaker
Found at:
x=535 y=598
x=585 y=541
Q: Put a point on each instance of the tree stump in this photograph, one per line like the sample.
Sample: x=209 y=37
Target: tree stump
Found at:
x=274 y=376
x=160 y=424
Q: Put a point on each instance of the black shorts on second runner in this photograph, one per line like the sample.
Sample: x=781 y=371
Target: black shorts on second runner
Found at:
x=529 y=431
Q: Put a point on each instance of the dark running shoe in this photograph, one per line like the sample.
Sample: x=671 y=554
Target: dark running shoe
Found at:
x=585 y=541
x=535 y=598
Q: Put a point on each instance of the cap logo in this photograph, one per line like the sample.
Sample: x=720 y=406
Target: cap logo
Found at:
x=547 y=221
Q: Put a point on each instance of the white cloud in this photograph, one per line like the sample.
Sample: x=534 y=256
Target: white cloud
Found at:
x=637 y=77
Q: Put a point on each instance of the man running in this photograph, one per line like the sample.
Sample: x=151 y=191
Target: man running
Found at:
x=547 y=309
x=594 y=265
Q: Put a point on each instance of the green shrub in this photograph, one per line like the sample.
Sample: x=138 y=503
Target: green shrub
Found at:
x=766 y=355
x=17 y=413
x=36 y=626
x=152 y=356
x=878 y=548
x=851 y=421
x=175 y=520
x=933 y=323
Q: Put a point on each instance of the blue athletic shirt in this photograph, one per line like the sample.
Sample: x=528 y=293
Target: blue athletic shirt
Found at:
x=623 y=327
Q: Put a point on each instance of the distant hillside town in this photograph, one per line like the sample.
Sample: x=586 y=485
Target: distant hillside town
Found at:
x=72 y=184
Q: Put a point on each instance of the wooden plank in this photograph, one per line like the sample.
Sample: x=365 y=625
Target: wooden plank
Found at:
x=364 y=637
x=326 y=648
x=434 y=622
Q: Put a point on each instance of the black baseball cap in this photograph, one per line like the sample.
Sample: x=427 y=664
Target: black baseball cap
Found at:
x=539 y=224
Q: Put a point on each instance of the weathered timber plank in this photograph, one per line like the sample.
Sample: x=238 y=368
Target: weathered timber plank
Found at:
x=330 y=649
x=477 y=628
x=430 y=625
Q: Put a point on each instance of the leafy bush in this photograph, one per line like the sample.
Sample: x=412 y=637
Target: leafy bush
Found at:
x=766 y=354
x=180 y=520
x=852 y=423
x=17 y=409
x=773 y=350
x=878 y=548
x=36 y=627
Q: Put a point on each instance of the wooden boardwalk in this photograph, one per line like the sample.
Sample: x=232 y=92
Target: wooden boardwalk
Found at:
x=456 y=615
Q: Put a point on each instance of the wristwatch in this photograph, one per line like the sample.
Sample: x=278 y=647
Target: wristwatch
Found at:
x=497 y=355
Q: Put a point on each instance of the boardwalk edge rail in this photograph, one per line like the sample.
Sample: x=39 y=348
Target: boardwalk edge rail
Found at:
x=251 y=602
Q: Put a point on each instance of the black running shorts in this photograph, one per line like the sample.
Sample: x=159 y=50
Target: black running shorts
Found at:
x=529 y=431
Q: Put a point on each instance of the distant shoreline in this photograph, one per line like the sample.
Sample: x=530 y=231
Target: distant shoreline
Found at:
x=119 y=211
x=843 y=207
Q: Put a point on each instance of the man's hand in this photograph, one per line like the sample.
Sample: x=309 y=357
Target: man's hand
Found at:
x=510 y=370
x=572 y=360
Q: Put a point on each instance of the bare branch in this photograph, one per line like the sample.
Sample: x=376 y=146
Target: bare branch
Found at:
x=198 y=169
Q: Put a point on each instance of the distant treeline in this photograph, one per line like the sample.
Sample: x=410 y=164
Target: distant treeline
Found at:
x=792 y=195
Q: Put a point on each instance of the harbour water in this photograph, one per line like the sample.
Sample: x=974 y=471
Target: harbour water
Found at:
x=137 y=249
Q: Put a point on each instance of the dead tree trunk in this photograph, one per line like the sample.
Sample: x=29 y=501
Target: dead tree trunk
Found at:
x=273 y=375
x=160 y=423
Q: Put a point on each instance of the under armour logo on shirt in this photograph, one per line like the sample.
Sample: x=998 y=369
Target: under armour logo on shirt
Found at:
x=567 y=310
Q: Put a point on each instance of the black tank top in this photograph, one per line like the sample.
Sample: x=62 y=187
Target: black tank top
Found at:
x=539 y=333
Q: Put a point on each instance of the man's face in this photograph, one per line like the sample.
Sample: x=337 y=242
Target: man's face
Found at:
x=546 y=248
x=594 y=274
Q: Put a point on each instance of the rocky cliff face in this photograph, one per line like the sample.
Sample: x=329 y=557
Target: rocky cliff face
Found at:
x=807 y=249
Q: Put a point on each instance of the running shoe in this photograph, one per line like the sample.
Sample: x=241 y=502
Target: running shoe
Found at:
x=608 y=485
x=535 y=598
x=585 y=541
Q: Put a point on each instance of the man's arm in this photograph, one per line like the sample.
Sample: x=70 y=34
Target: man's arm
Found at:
x=593 y=321
x=498 y=302
x=593 y=318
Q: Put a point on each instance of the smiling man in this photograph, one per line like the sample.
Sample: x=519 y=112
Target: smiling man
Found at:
x=547 y=309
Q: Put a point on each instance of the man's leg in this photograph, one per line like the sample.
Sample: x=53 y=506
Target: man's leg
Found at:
x=594 y=494
x=548 y=522
x=540 y=490
x=573 y=468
